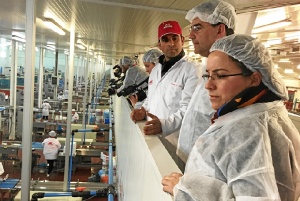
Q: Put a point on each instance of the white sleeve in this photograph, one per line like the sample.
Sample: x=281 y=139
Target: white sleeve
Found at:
x=1 y=168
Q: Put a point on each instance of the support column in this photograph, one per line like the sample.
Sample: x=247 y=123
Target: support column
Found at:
x=28 y=99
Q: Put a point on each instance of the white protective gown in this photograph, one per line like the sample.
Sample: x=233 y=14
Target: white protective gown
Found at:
x=51 y=147
x=196 y=120
x=134 y=75
x=45 y=109
x=169 y=96
x=1 y=168
x=236 y=157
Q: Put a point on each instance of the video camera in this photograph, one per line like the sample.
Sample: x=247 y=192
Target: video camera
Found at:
x=134 y=89
x=115 y=84
x=141 y=92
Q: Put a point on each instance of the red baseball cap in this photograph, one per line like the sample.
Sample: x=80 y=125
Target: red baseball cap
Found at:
x=169 y=27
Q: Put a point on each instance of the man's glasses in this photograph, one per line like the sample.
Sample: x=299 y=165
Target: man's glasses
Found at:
x=166 y=39
x=219 y=77
x=195 y=28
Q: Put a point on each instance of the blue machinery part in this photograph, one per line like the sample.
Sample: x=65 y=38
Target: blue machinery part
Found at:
x=110 y=190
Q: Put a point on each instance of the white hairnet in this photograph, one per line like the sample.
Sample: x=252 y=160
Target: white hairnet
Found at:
x=253 y=54
x=152 y=56
x=125 y=60
x=46 y=100
x=214 y=12
x=52 y=133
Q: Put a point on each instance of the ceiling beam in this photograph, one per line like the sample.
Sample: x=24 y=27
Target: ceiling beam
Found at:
x=110 y=3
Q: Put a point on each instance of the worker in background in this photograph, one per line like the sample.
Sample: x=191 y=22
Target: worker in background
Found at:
x=1 y=168
x=171 y=85
x=60 y=96
x=150 y=59
x=75 y=116
x=45 y=110
x=133 y=74
x=51 y=146
x=66 y=94
x=252 y=149
x=210 y=21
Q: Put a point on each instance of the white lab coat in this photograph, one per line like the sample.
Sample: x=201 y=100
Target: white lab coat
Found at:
x=45 y=109
x=66 y=94
x=169 y=96
x=75 y=117
x=196 y=120
x=1 y=168
x=134 y=75
x=236 y=157
x=51 y=147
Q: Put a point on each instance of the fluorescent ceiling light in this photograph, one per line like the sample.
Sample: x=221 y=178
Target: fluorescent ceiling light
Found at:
x=18 y=36
x=54 y=26
x=292 y=36
x=298 y=66
x=276 y=66
x=80 y=46
x=50 y=47
x=272 y=26
x=284 y=60
x=288 y=71
x=18 y=39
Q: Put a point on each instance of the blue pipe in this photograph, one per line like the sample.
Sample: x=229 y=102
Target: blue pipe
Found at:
x=58 y=194
x=110 y=150
x=71 y=161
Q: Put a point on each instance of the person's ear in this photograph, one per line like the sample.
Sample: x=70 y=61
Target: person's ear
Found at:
x=182 y=39
x=221 y=31
x=159 y=44
x=256 y=78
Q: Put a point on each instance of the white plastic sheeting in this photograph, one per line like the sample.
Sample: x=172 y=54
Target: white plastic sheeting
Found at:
x=142 y=160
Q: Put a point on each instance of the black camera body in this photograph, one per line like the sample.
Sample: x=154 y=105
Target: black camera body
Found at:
x=132 y=90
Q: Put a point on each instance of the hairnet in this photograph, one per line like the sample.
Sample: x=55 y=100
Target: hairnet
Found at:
x=125 y=60
x=253 y=54
x=52 y=133
x=152 y=56
x=46 y=100
x=214 y=12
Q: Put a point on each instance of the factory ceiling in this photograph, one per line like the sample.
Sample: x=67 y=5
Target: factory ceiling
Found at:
x=113 y=28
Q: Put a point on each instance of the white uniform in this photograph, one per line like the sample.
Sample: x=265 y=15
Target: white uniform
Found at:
x=1 y=168
x=51 y=147
x=196 y=120
x=235 y=158
x=134 y=75
x=169 y=96
x=75 y=117
x=45 y=108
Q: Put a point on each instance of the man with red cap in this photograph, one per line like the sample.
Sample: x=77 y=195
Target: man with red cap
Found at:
x=171 y=85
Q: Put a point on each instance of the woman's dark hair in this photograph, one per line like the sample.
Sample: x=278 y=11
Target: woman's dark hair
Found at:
x=244 y=69
x=228 y=30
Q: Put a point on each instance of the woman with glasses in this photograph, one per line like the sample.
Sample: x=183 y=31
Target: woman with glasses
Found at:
x=252 y=149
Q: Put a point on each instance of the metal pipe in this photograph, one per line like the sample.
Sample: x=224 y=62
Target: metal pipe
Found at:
x=110 y=163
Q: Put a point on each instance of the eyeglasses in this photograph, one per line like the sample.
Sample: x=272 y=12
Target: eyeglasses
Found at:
x=195 y=28
x=166 y=39
x=219 y=77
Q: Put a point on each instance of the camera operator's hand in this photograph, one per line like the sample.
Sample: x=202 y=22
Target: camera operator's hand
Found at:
x=138 y=114
x=111 y=91
x=153 y=126
x=134 y=99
